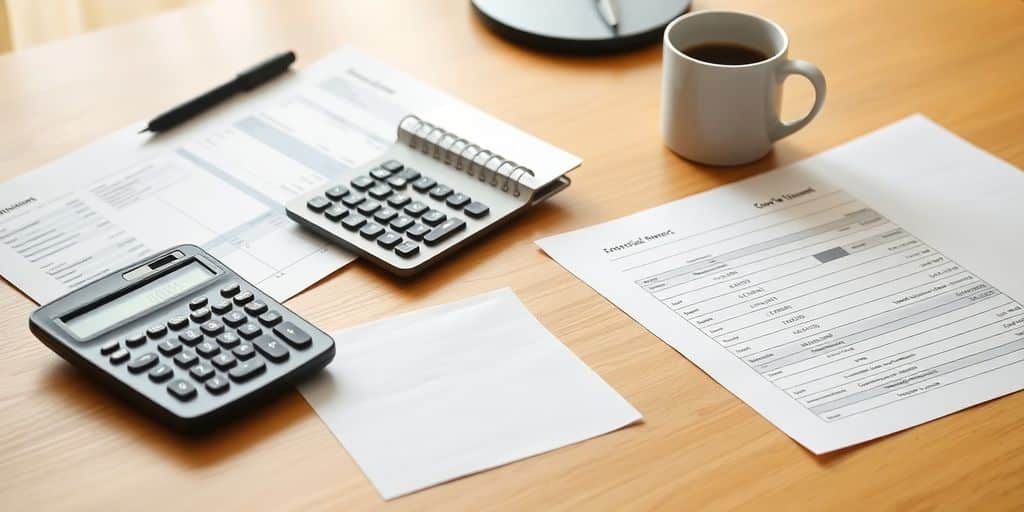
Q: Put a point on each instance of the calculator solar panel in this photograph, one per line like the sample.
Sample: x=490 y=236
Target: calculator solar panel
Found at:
x=183 y=337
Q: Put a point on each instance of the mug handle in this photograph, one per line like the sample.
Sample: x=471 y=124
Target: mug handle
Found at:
x=811 y=72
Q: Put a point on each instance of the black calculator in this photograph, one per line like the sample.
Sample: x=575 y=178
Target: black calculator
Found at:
x=183 y=337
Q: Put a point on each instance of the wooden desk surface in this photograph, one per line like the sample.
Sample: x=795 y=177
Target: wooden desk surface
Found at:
x=66 y=446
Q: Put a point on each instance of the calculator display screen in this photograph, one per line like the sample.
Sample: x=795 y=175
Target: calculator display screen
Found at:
x=149 y=295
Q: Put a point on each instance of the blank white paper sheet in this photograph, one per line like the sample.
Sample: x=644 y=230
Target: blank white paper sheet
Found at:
x=436 y=394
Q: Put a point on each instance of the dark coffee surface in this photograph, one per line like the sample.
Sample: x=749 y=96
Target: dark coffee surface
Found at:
x=727 y=54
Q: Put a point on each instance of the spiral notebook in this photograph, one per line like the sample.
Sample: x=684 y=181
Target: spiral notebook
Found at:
x=439 y=186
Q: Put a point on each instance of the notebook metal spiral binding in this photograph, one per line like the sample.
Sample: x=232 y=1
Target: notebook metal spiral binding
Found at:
x=461 y=154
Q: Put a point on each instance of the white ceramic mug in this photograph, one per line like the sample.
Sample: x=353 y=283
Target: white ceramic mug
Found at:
x=728 y=114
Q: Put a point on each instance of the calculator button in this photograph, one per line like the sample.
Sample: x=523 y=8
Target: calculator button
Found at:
x=154 y=332
x=353 y=222
x=380 y=192
x=271 y=348
x=244 y=351
x=255 y=308
x=228 y=339
x=135 y=340
x=119 y=357
x=143 y=362
x=352 y=200
x=212 y=328
x=477 y=210
x=185 y=359
x=384 y=215
x=109 y=347
x=336 y=192
x=440 y=192
x=335 y=213
x=224 y=361
x=371 y=231
x=417 y=232
x=368 y=207
x=234 y=318
x=177 y=322
x=247 y=370
x=399 y=200
x=445 y=230
x=402 y=222
x=433 y=217
x=161 y=373
x=407 y=249
x=202 y=371
x=318 y=204
x=207 y=349
x=190 y=337
x=389 y=240
x=293 y=335
x=169 y=347
x=249 y=331
x=392 y=166
x=397 y=182
x=242 y=298
x=200 y=315
x=423 y=184
x=197 y=303
x=409 y=174
x=221 y=307
x=416 y=208
x=181 y=389
x=362 y=183
x=380 y=174
x=457 y=200
x=217 y=385
x=270 y=318
x=229 y=290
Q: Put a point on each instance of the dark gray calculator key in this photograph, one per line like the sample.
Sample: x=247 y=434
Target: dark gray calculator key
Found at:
x=228 y=340
x=161 y=373
x=407 y=249
x=433 y=217
x=229 y=290
x=409 y=174
x=270 y=348
x=169 y=347
x=224 y=360
x=440 y=192
x=177 y=323
x=477 y=210
x=242 y=298
x=318 y=204
x=256 y=308
x=135 y=340
x=156 y=331
x=384 y=215
x=362 y=182
x=399 y=200
x=200 y=315
x=217 y=385
x=202 y=371
x=445 y=230
x=270 y=318
x=186 y=359
x=397 y=182
x=143 y=362
x=353 y=222
x=235 y=318
x=335 y=213
x=247 y=370
x=352 y=200
x=369 y=207
x=457 y=200
x=295 y=337
x=212 y=327
x=380 y=192
x=207 y=349
x=416 y=208
x=190 y=337
x=109 y=347
x=120 y=356
x=417 y=232
x=336 y=192
x=423 y=184
x=244 y=351
x=402 y=222
x=197 y=303
x=249 y=331
x=371 y=231
x=392 y=166
x=221 y=307
x=380 y=174
x=389 y=240
x=181 y=389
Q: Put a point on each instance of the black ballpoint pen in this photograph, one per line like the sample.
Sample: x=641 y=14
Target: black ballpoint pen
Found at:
x=245 y=81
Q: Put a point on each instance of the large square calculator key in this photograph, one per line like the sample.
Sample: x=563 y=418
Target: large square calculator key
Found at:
x=183 y=337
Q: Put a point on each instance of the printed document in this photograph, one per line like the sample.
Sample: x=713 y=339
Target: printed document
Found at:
x=848 y=296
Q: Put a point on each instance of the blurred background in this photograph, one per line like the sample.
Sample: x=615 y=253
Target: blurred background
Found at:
x=28 y=23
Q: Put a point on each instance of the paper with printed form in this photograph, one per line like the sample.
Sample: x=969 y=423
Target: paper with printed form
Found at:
x=848 y=296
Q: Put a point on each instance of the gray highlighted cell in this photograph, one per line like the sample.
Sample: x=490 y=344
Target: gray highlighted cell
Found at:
x=291 y=147
x=832 y=254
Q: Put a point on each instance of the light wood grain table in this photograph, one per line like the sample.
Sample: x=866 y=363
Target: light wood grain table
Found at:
x=65 y=445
